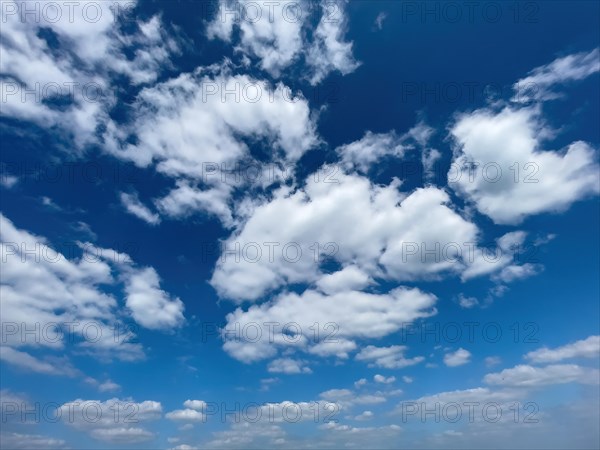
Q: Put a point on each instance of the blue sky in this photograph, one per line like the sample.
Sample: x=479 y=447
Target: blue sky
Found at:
x=299 y=224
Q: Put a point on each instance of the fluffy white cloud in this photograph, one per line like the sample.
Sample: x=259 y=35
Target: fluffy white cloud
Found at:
x=150 y=306
x=89 y=54
x=346 y=398
x=585 y=348
x=372 y=148
x=234 y=110
x=114 y=421
x=49 y=366
x=499 y=165
x=288 y=366
x=30 y=441
x=70 y=300
x=268 y=30
x=167 y=117
x=538 y=84
x=467 y=302
x=288 y=322
x=199 y=405
x=381 y=379
x=457 y=358
x=391 y=357
x=529 y=376
x=376 y=229
x=329 y=51
x=41 y=286
x=515 y=272
x=350 y=278
x=274 y=32
x=186 y=415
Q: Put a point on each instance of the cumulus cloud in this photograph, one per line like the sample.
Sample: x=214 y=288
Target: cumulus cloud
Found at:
x=391 y=357
x=500 y=166
x=467 y=302
x=275 y=34
x=375 y=229
x=373 y=148
x=43 y=286
x=268 y=31
x=89 y=55
x=457 y=358
x=585 y=348
x=341 y=318
x=381 y=379
x=186 y=415
x=235 y=110
x=329 y=51
x=46 y=290
x=288 y=366
x=150 y=306
x=104 y=427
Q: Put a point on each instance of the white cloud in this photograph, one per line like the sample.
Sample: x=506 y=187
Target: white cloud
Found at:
x=199 y=405
x=529 y=376
x=205 y=161
x=134 y=206
x=586 y=348
x=167 y=117
x=381 y=379
x=104 y=427
x=387 y=357
x=457 y=358
x=42 y=286
x=108 y=386
x=491 y=361
x=379 y=20
x=370 y=149
x=329 y=51
x=467 y=302
x=365 y=415
x=23 y=441
x=89 y=54
x=186 y=415
x=340 y=317
x=514 y=177
x=23 y=360
x=8 y=181
x=350 y=278
x=346 y=399
x=515 y=272
x=429 y=156
x=274 y=36
x=377 y=229
x=288 y=366
x=274 y=32
x=71 y=301
x=373 y=148
x=150 y=306
x=538 y=84
x=360 y=382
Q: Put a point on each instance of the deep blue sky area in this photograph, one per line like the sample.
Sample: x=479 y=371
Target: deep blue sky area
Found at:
x=369 y=106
